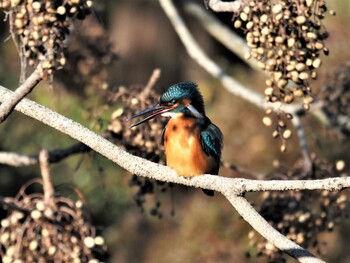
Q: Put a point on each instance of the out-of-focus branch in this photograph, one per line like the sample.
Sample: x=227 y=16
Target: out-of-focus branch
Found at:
x=19 y=46
x=15 y=159
x=221 y=32
x=302 y=141
x=220 y=6
x=197 y=54
x=151 y=82
x=232 y=188
x=28 y=85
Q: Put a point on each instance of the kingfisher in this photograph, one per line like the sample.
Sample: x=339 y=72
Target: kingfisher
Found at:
x=192 y=143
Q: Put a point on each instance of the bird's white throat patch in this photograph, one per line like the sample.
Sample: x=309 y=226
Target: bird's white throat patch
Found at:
x=194 y=111
x=174 y=115
x=171 y=114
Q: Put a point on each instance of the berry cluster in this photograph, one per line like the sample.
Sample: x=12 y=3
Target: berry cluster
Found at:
x=41 y=28
x=287 y=40
x=36 y=232
x=143 y=140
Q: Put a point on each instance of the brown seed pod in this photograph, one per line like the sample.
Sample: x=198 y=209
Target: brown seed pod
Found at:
x=42 y=27
x=285 y=37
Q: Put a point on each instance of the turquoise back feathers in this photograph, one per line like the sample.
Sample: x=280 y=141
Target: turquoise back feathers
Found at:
x=212 y=141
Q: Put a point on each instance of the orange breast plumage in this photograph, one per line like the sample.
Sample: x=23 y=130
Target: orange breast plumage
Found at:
x=183 y=149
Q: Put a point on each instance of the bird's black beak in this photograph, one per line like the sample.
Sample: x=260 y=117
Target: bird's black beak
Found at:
x=152 y=111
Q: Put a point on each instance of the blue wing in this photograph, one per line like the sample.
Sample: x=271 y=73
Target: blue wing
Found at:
x=212 y=141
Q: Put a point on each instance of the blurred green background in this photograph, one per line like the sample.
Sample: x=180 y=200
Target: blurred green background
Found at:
x=202 y=229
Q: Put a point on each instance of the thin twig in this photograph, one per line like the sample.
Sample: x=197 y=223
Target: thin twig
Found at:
x=151 y=82
x=10 y=203
x=19 y=47
x=49 y=191
x=302 y=141
x=55 y=156
x=8 y=105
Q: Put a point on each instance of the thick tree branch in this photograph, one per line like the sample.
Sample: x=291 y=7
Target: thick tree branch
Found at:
x=250 y=215
x=19 y=46
x=230 y=187
x=7 y=106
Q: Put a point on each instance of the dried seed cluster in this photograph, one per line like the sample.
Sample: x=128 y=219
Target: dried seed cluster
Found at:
x=42 y=26
x=287 y=40
x=35 y=232
x=301 y=216
x=143 y=140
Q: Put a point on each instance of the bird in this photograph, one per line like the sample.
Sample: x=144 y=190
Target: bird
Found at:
x=192 y=143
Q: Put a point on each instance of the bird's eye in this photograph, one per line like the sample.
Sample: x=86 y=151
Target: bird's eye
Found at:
x=173 y=102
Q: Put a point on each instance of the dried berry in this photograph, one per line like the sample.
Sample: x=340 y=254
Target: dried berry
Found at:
x=283 y=36
x=66 y=235
x=41 y=28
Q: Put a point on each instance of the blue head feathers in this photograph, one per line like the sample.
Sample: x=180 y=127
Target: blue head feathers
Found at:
x=184 y=91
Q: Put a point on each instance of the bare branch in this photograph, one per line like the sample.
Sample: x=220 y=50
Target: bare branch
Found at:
x=221 y=33
x=330 y=184
x=149 y=169
x=302 y=141
x=15 y=159
x=49 y=191
x=19 y=46
x=220 y=6
x=230 y=187
x=151 y=82
x=7 y=106
x=250 y=215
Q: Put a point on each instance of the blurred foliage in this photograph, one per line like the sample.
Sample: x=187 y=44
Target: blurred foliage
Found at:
x=120 y=44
